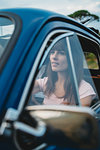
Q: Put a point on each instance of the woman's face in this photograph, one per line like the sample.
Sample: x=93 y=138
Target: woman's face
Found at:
x=58 y=61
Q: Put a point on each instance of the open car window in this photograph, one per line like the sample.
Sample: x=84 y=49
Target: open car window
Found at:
x=61 y=78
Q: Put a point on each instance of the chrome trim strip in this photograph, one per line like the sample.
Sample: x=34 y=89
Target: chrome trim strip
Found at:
x=64 y=108
x=73 y=71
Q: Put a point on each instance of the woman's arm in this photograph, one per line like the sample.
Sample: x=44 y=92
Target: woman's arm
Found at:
x=36 y=88
x=86 y=101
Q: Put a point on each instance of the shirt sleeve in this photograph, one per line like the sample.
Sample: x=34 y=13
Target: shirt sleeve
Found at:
x=42 y=83
x=86 y=89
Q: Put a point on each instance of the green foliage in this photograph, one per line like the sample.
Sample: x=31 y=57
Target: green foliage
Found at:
x=91 y=60
x=84 y=16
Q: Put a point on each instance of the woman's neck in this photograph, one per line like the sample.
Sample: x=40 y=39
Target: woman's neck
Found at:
x=59 y=85
x=61 y=77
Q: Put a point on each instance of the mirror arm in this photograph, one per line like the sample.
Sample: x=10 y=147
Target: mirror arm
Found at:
x=38 y=131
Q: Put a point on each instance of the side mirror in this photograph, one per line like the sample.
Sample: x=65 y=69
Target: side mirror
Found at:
x=63 y=126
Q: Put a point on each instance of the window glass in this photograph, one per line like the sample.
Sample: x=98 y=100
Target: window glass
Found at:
x=92 y=61
x=6 y=31
x=61 y=78
x=91 y=51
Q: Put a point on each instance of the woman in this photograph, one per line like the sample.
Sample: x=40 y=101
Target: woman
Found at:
x=57 y=86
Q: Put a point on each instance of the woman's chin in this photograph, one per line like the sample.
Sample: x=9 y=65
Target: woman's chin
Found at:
x=55 y=69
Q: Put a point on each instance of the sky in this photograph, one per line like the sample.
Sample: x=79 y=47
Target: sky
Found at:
x=64 y=7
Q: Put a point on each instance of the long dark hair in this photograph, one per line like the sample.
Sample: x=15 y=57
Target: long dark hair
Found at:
x=52 y=75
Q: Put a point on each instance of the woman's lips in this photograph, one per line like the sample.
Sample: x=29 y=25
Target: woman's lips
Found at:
x=55 y=63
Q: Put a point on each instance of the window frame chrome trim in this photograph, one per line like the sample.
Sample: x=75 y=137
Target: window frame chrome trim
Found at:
x=35 y=64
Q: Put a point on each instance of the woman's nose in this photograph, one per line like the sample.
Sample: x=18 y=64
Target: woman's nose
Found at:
x=55 y=55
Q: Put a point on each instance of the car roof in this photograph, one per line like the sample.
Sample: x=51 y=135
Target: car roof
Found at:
x=40 y=17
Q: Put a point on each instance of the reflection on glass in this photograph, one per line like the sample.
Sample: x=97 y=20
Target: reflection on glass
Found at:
x=48 y=114
x=6 y=31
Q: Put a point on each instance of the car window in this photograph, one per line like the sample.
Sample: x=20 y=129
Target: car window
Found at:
x=6 y=31
x=91 y=60
x=60 y=78
x=91 y=51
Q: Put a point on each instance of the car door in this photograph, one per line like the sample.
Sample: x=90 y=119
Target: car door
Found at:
x=76 y=61
x=74 y=57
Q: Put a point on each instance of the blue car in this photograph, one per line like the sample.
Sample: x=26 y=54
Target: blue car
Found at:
x=49 y=82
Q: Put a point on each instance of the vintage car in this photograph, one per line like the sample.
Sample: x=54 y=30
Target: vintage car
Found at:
x=33 y=115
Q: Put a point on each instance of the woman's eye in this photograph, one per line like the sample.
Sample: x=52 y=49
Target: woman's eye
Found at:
x=61 y=52
x=58 y=52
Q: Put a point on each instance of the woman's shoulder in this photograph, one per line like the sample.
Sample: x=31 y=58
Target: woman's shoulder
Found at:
x=85 y=85
x=86 y=88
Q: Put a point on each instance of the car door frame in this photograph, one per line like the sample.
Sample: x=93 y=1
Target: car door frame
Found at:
x=28 y=86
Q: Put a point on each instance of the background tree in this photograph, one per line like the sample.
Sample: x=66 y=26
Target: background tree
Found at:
x=84 y=16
